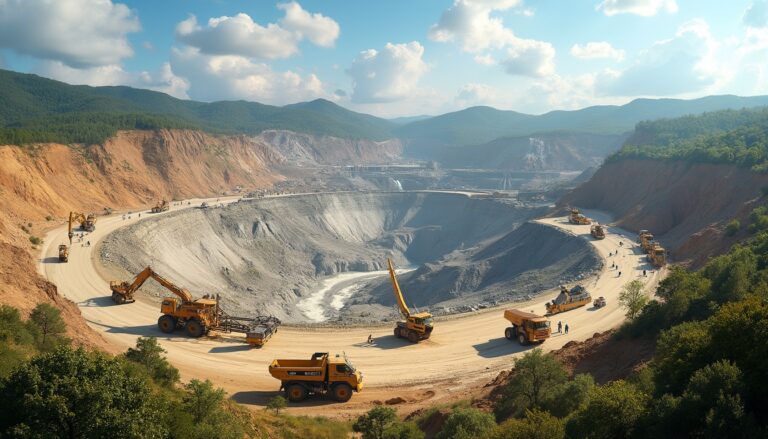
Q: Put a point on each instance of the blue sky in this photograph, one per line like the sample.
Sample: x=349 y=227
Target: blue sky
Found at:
x=397 y=58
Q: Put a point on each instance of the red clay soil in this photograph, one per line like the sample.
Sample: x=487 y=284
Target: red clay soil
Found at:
x=685 y=205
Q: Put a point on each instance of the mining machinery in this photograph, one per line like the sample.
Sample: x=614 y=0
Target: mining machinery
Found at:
x=87 y=223
x=417 y=326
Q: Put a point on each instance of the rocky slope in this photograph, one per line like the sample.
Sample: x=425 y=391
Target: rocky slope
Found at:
x=548 y=152
x=309 y=149
x=685 y=205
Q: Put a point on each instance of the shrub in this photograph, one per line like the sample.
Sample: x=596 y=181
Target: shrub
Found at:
x=35 y=240
x=733 y=227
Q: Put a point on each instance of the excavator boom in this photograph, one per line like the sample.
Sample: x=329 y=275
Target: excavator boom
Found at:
x=125 y=291
x=398 y=294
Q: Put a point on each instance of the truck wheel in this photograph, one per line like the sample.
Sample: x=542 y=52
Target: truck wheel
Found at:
x=413 y=337
x=522 y=340
x=342 y=392
x=509 y=334
x=195 y=328
x=397 y=333
x=296 y=393
x=118 y=299
x=166 y=323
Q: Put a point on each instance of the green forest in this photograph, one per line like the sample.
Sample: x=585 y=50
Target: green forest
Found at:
x=37 y=109
x=724 y=137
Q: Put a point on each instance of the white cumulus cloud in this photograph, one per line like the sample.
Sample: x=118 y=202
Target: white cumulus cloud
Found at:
x=471 y=24
x=240 y=35
x=388 y=75
x=645 y=8
x=164 y=80
x=476 y=94
x=78 y=33
x=213 y=77
x=597 y=50
x=685 y=63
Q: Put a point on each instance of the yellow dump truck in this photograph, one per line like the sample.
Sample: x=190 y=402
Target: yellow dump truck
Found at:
x=569 y=299
x=63 y=253
x=657 y=255
x=161 y=206
x=526 y=327
x=320 y=375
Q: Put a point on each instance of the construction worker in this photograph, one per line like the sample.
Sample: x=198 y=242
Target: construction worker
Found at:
x=559 y=327
x=566 y=328
x=370 y=338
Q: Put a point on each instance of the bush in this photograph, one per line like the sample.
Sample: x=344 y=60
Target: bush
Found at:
x=148 y=353
x=382 y=423
x=48 y=218
x=46 y=323
x=535 y=425
x=612 y=412
x=733 y=227
x=277 y=403
x=35 y=240
x=535 y=381
x=467 y=424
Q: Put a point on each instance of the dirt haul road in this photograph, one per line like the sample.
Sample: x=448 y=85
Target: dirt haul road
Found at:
x=464 y=353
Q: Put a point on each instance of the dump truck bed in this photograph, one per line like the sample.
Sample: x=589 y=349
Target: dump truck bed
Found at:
x=515 y=315
x=307 y=370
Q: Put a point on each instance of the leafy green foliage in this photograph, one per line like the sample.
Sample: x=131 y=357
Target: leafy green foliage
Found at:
x=535 y=425
x=381 y=423
x=632 y=299
x=277 y=403
x=149 y=354
x=46 y=323
x=739 y=138
x=467 y=424
x=535 y=382
x=73 y=393
x=41 y=110
x=732 y=227
x=612 y=412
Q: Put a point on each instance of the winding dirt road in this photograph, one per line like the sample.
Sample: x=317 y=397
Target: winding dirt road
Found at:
x=464 y=353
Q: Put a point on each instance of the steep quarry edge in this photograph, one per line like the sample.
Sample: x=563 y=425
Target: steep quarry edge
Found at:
x=686 y=205
x=268 y=255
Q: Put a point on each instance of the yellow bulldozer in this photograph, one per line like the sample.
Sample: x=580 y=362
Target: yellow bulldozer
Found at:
x=87 y=223
x=162 y=206
x=575 y=217
x=416 y=327
x=196 y=316
x=567 y=300
x=597 y=231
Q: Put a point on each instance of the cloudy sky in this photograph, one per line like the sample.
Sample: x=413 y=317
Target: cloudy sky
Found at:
x=397 y=57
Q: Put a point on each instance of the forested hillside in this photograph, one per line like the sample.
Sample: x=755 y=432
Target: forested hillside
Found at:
x=36 y=109
x=732 y=137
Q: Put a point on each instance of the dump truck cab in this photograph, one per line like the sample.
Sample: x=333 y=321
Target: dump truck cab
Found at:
x=321 y=374
x=526 y=327
x=421 y=323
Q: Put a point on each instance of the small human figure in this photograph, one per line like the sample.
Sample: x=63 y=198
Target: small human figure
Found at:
x=559 y=327
x=644 y=273
x=370 y=338
x=89 y=244
x=139 y=215
x=619 y=274
x=566 y=328
x=621 y=244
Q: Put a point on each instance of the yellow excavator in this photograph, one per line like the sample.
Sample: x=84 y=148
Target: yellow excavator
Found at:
x=87 y=223
x=416 y=327
x=196 y=316
x=162 y=206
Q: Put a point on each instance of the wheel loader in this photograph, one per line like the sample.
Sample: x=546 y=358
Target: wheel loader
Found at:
x=416 y=327
x=657 y=255
x=576 y=217
x=196 y=316
x=567 y=300
x=319 y=375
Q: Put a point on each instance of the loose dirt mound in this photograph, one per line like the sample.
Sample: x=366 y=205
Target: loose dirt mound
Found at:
x=268 y=255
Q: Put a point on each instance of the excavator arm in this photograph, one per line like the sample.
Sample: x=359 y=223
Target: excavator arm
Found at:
x=126 y=290
x=398 y=294
x=73 y=217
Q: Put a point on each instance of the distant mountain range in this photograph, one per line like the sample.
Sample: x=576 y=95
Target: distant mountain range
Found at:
x=478 y=125
x=34 y=109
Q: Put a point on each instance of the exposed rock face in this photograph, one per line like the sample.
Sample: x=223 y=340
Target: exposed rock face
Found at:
x=268 y=255
x=311 y=149
x=685 y=205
